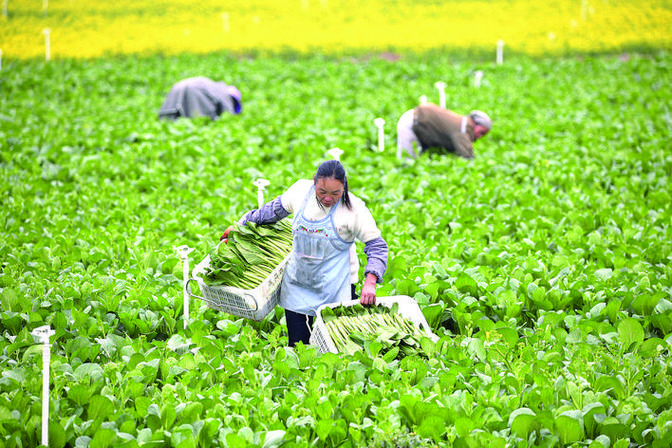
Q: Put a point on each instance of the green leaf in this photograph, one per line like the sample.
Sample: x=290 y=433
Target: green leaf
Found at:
x=100 y=407
x=142 y=405
x=432 y=426
x=168 y=416
x=57 y=435
x=80 y=394
x=509 y=336
x=428 y=346
x=603 y=274
x=323 y=428
x=10 y=300
x=273 y=439
x=466 y=284
x=614 y=429
x=589 y=412
x=607 y=383
x=630 y=332
x=475 y=348
x=433 y=314
x=104 y=438
x=569 y=426
x=521 y=422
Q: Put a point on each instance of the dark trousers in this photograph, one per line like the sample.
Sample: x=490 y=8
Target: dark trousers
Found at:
x=299 y=326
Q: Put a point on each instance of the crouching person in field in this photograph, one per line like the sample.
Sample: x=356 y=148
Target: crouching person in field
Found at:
x=430 y=126
x=200 y=96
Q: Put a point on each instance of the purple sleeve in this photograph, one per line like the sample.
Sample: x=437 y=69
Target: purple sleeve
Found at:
x=376 y=257
x=269 y=213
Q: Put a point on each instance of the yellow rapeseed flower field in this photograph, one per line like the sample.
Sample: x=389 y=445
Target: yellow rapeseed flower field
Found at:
x=87 y=28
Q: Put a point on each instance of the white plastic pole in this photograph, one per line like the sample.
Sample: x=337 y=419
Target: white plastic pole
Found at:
x=43 y=333
x=47 y=45
x=45 y=7
x=478 y=75
x=500 y=52
x=584 y=10
x=4 y=8
x=261 y=185
x=379 y=122
x=335 y=153
x=226 y=26
x=423 y=99
x=441 y=87
x=183 y=254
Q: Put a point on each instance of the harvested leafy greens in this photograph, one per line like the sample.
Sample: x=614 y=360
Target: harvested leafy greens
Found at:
x=251 y=254
x=354 y=328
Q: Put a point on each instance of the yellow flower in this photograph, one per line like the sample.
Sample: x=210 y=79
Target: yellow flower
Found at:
x=84 y=28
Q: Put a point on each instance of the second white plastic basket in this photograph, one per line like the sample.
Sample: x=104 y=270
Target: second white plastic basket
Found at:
x=408 y=308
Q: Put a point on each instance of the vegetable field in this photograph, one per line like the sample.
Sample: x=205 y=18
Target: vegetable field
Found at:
x=544 y=265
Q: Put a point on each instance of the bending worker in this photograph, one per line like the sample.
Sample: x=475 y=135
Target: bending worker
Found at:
x=431 y=126
x=327 y=219
x=200 y=96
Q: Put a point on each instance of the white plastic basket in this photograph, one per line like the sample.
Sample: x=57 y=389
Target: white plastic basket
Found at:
x=408 y=308
x=254 y=304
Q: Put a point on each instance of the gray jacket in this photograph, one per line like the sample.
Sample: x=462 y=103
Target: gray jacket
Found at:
x=199 y=96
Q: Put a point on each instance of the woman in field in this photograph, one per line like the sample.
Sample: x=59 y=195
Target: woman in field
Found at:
x=327 y=220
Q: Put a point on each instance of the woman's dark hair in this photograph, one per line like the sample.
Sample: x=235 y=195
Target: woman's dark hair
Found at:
x=334 y=169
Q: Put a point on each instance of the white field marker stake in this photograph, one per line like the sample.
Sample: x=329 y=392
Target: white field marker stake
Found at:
x=441 y=87
x=261 y=186
x=335 y=153
x=183 y=254
x=43 y=333
x=423 y=99
x=478 y=75
x=226 y=26
x=379 y=122
x=45 y=7
x=4 y=8
x=47 y=45
x=584 y=10
x=500 y=52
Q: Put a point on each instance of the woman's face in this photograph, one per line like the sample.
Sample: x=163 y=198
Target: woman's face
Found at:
x=328 y=191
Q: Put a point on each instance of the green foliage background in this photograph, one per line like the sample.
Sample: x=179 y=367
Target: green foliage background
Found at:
x=543 y=264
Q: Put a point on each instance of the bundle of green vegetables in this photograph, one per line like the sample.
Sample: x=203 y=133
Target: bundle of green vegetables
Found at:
x=354 y=328
x=250 y=255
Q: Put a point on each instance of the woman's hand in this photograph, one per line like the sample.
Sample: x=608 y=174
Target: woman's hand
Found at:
x=368 y=296
x=225 y=235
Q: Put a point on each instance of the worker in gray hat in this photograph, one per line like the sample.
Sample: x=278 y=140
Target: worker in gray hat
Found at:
x=431 y=126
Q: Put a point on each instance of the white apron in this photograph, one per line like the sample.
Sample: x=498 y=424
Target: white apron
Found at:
x=318 y=270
